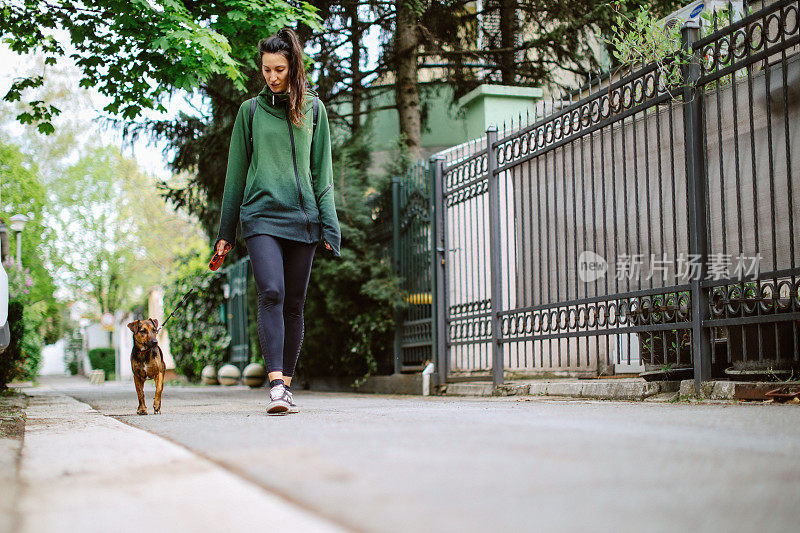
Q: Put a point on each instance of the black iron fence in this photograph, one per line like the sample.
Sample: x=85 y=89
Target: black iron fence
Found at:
x=652 y=220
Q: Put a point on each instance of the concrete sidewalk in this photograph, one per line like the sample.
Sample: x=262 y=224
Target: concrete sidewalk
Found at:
x=83 y=471
x=394 y=464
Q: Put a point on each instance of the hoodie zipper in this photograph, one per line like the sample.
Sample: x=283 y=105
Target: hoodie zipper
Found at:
x=324 y=191
x=297 y=176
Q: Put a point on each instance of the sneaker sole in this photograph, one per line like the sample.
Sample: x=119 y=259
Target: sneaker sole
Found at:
x=278 y=409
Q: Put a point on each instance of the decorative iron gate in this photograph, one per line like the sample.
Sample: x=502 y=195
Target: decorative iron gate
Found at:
x=237 y=313
x=411 y=241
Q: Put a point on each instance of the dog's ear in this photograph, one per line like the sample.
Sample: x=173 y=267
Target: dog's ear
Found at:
x=132 y=325
x=155 y=322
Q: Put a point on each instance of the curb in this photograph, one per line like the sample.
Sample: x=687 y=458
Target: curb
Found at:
x=730 y=390
x=468 y=388
x=604 y=390
x=622 y=389
x=627 y=390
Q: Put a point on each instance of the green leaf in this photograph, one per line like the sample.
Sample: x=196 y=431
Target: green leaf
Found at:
x=46 y=128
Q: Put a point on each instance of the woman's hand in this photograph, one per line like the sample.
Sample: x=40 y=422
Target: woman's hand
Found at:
x=326 y=245
x=223 y=247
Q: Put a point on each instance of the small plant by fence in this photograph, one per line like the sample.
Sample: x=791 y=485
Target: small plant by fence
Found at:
x=650 y=220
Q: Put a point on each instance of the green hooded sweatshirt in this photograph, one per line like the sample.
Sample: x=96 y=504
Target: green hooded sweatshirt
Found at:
x=283 y=184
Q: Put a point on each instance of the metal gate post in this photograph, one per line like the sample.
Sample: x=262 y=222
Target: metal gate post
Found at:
x=438 y=259
x=494 y=256
x=398 y=315
x=698 y=226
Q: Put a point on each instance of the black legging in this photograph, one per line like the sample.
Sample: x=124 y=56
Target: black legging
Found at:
x=281 y=268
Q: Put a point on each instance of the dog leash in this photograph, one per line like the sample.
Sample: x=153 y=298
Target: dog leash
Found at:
x=179 y=306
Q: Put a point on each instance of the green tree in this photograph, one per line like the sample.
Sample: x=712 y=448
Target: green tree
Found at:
x=22 y=192
x=113 y=234
x=36 y=314
x=531 y=43
x=93 y=191
x=139 y=52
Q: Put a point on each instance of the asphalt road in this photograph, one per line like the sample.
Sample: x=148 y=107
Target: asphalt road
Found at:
x=403 y=464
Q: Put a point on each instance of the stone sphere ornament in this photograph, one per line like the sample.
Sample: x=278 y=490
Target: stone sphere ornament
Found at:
x=255 y=375
x=229 y=375
x=209 y=375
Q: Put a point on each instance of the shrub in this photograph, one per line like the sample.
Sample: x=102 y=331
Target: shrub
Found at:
x=33 y=317
x=23 y=357
x=19 y=281
x=10 y=358
x=103 y=359
x=349 y=312
x=198 y=336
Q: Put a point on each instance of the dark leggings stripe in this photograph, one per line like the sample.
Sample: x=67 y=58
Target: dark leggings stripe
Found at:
x=281 y=269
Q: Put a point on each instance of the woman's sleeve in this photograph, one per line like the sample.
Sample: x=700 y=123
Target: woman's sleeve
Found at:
x=322 y=174
x=238 y=162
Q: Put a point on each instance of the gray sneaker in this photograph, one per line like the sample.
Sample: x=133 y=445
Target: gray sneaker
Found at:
x=279 y=400
x=292 y=406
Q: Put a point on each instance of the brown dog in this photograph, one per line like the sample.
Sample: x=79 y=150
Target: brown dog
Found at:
x=147 y=361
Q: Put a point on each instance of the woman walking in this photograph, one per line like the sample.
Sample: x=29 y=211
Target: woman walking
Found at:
x=279 y=184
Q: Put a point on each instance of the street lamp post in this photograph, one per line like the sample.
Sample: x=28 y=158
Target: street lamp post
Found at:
x=18 y=224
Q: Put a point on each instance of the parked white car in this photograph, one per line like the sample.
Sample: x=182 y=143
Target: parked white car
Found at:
x=5 y=334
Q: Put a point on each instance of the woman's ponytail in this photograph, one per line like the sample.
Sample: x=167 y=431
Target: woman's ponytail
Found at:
x=287 y=43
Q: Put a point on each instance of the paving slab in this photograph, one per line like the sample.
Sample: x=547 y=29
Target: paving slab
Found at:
x=83 y=471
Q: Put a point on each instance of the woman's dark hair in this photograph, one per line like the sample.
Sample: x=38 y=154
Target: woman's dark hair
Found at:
x=286 y=42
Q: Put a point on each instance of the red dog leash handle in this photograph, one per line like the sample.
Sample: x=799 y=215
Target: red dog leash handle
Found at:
x=217 y=260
